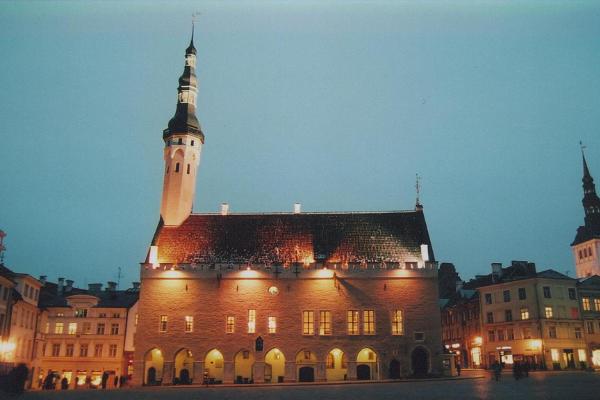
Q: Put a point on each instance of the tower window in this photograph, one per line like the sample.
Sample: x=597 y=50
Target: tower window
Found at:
x=180 y=141
x=188 y=169
x=177 y=167
x=192 y=143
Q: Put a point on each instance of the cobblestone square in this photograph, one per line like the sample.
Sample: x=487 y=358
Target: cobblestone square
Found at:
x=476 y=385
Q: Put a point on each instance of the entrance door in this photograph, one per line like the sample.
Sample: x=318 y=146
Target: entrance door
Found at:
x=363 y=372
x=420 y=362
x=394 y=369
x=184 y=377
x=568 y=358
x=151 y=376
x=306 y=374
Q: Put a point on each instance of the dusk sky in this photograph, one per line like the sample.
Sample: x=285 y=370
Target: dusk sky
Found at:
x=334 y=105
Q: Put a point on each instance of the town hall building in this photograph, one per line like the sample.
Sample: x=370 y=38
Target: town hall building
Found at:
x=279 y=297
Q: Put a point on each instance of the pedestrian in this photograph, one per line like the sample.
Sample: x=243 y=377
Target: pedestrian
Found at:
x=64 y=383
x=496 y=368
x=104 y=379
x=458 y=367
x=526 y=368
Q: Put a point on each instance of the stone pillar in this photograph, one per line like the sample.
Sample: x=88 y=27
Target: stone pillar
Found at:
x=258 y=371
x=228 y=372
x=167 y=378
x=320 y=372
x=290 y=371
x=351 y=370
x=138 y=373
x=198 y=372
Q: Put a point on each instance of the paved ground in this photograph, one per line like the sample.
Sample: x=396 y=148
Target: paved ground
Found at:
x=540 y=385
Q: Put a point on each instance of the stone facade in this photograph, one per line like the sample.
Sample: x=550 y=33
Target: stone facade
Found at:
x=210 y=300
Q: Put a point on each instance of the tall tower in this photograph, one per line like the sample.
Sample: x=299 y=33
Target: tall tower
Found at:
x=586 y=246
x=183 y=143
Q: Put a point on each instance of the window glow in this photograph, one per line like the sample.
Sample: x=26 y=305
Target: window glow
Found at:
x=368 y=322
x=189 y=323
x=72 y=328
x=251 y=321
x=308 y=322
x=324 y=322
x=352 y=318
x=272 y=324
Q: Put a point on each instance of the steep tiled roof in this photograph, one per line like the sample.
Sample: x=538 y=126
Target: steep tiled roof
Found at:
x=552 y=274
x=280 y=238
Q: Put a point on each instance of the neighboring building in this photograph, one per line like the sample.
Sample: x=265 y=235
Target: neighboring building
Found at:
x=6 y=296
x=19 y=349
x=533 y=317
x=586 y=246
x=279 y=297
x=83 y=333
x=461 y=327
x=589 y=298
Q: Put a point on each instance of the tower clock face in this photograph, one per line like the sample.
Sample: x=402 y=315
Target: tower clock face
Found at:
x=273 y=290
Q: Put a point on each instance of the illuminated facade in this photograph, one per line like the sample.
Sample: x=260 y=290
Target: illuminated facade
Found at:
x=279 y=297
x=589 y=299
x=84 y=334
x=533 y=317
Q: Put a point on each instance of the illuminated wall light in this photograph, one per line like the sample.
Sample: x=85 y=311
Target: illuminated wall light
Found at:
x=153 y=257
x=478 y=340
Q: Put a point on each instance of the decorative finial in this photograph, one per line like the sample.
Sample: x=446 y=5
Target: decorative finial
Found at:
x=582 y=146
x=418 y=188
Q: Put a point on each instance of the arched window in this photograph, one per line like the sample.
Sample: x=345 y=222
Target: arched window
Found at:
x=177 y=167
x=188 y=169
x=192 y=142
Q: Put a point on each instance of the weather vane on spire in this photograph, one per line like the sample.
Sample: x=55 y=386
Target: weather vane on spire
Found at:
x=582 y=146
x=418 y=188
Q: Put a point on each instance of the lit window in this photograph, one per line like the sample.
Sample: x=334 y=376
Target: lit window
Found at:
x=230 y=324
x=308 y=323
x=548 y=312
x=597 y=304
x=98 y=350
x=324 y=322
x=112 y=350
x=330 y=363
x=58 y=327
x=136 y=319
x=81 y=313
x=352 y=320
x=397 y=323
x=251 y=321
x=272 y=324
x=368 y=322
x=582 y=355
x=83 y=350
x=524 y=313
x=189 y=323
x=100 y=329
x=69 y=350
x=585 y=301
x=555 y=355
x=114 y=329
x=72 y=328
x=163 y=323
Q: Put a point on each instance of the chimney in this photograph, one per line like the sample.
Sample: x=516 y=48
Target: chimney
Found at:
x=111 y=286
x=95 y=287
x=497 y=269
x=69 y=285
x=60 y=286
x=135 y=285
x=297 y=208
x=224 y=208
x=459 y=285
x=43 y=279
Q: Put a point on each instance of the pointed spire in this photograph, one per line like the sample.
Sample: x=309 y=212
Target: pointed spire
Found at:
x=191 y=49
x=586 y=171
